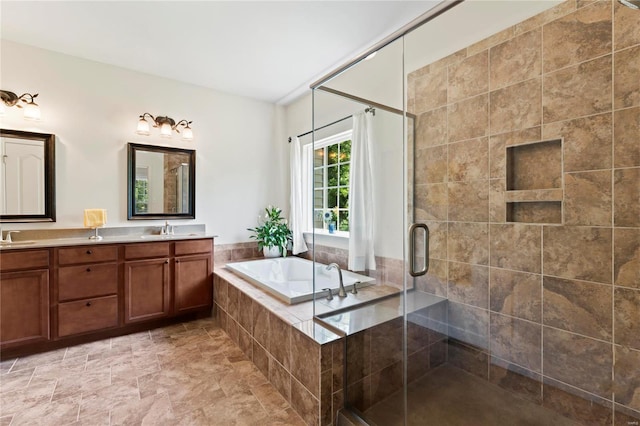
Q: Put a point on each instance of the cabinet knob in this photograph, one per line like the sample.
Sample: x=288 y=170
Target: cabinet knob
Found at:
x=89 y=252
x=166 y=261
x=177 y=261
x=88 y=269
x=88 y=304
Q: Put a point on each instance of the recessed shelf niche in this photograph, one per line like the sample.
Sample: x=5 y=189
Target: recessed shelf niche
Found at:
x=534 y=182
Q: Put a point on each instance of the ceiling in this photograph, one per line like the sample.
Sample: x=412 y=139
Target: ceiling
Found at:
x=266 y=50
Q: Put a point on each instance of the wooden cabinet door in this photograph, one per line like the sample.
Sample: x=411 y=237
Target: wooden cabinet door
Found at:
x=24 y=307
x=146 y=290
x=193 y=282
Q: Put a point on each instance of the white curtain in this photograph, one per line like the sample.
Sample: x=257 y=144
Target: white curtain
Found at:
x=297 y=213
x=361 y=256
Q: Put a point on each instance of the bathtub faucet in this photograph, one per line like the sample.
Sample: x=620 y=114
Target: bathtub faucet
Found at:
x=341 y=292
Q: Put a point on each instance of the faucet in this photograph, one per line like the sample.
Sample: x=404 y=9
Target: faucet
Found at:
x=7 y=239
x=341 y=292
x=166 y=229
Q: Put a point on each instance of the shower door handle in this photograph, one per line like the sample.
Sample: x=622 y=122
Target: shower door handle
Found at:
x=412 y=250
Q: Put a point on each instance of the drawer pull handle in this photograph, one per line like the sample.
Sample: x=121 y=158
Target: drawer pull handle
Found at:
x=88 y=269
x=88 y=304
x=89 y=252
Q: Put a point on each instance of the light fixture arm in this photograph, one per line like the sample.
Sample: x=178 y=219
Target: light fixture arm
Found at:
x=11 y=99
x=183 y=123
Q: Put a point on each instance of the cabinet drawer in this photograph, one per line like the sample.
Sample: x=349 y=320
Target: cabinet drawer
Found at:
x=87 y=254
x=87 y=315
x=145 y=250
x=24 y=259
x=80 y=282
x=193 y=247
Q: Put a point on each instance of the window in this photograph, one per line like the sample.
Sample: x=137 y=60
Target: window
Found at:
x=331 y=162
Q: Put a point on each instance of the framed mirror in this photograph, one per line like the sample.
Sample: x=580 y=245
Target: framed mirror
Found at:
x=161 y=182
x=27 y=182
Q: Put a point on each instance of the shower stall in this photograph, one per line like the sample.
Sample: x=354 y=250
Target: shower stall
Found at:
x=504 y=185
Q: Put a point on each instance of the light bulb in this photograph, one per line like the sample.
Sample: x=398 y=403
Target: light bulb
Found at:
x=31 y=111
x=143 y=127
x=187 y=133
x=165 y=130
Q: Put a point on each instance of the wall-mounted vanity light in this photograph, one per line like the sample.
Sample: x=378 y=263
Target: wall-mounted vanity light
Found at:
x=10 y=99
x=166 y=125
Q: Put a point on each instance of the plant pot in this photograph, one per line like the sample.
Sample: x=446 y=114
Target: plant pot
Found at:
x=271 y=251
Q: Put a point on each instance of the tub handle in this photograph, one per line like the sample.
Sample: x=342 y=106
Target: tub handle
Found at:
x=329 y=295
x=412 y=250
x=354 y=290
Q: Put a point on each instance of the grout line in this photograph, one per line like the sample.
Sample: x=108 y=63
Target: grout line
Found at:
x=612 y=218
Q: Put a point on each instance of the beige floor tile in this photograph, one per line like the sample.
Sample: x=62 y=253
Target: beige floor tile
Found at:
x=15 y=381
x=193 y=418
x=238 y=409
x=39 y=359
x=6 y=365
x=94 y=419
x=38 y=392
x=286 y=417
x=109 y=397
x=83 y=383
x=53 y=413
x=88 y=348
x=62 y=368
x=197 y=395
x=153 y=410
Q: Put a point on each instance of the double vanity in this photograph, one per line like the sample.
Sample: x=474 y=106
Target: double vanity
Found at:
x=60 y=292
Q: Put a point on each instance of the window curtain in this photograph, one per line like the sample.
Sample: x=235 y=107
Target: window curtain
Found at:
x=296 y=200
x=361 y=256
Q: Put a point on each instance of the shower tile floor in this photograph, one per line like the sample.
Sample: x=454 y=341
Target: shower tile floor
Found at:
x=184 y=374
x=448 y=396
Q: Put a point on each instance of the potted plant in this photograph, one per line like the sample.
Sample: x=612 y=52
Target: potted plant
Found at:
x=273 y=235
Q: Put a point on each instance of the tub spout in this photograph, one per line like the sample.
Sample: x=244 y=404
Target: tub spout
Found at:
x=341 y=291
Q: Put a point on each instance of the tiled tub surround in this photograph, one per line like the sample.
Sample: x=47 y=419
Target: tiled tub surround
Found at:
x=301 y=359
x=549 y=311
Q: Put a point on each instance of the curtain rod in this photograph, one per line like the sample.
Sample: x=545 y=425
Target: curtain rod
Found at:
x=370 y=109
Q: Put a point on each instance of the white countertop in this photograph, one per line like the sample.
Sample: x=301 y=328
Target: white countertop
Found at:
x=134 y=238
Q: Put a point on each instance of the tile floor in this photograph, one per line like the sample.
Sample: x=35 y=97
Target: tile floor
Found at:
x=184 y=374
x=450 y=396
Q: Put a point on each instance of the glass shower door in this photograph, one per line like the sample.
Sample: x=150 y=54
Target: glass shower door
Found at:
x=371 y=320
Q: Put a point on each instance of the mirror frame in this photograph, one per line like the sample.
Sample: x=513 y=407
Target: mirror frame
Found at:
x=132 y=148
x=49 y=214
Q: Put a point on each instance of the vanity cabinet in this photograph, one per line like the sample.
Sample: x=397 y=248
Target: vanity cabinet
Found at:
x=53 y=296
x=193 y=269
x=87 y=289
x=24 y=298
x=147 y=270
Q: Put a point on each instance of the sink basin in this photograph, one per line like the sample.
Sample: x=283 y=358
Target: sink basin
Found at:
x=16 y=243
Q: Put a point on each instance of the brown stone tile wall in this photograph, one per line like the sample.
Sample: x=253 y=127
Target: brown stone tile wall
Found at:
x=550 y=311
x=388 y=271
x=226 y=253
x=374 y=356
x=307 y=374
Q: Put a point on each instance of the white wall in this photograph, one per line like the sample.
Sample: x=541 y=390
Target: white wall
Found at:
x=387 y=157
x=93 y=110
